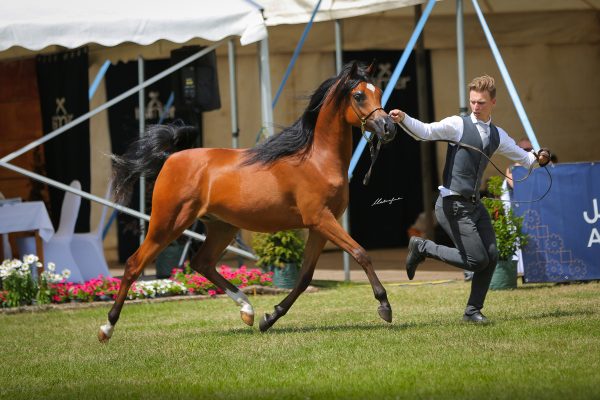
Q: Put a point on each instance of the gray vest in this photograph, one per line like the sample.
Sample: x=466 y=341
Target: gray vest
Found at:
x=464 y=167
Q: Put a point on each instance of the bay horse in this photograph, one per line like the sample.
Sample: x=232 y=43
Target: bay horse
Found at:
x=295 y=179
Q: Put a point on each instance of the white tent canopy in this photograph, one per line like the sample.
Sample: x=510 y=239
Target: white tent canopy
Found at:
x=278 y=12
x=35 y=24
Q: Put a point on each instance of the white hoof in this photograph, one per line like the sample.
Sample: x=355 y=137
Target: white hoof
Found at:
x=105 y=332
x=247 y=314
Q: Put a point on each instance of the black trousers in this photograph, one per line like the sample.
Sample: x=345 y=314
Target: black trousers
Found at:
x=469 y=225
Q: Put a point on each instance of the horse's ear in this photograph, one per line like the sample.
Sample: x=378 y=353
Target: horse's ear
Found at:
x=353 y=68
x=371 y=69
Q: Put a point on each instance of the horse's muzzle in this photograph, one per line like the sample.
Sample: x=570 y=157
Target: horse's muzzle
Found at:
x=386 y=129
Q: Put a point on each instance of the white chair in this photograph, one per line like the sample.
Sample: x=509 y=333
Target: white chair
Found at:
x=88 y=250
x=5 y=244
x=58 y=248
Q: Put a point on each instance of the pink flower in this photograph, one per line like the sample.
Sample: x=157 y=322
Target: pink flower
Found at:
x=212 y=292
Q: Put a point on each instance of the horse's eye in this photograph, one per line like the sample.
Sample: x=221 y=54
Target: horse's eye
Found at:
x=358 y=96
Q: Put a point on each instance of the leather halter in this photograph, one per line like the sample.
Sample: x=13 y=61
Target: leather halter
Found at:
x=373 y=150
x=363 y=122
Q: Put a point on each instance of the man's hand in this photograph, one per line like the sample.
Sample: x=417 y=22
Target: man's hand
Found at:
x=543 y=156
x=397 y=116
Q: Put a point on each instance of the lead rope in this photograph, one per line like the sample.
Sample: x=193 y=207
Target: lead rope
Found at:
x=373 y=150
x=468 y=146
x=374 y=154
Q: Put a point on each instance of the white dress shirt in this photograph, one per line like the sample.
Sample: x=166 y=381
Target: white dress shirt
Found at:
x=451 y=128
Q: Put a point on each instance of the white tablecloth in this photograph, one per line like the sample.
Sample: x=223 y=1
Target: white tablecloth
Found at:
x=27 y=216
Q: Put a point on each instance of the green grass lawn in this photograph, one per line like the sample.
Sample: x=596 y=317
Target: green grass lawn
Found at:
x=544 y=343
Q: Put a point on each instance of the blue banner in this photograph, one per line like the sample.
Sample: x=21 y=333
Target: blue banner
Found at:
x=564 y=227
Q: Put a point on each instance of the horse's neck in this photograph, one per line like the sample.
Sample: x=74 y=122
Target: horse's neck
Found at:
x=332 y=141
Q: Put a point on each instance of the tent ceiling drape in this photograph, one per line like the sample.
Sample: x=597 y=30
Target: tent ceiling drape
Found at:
x=279 y=12
x=34 y=24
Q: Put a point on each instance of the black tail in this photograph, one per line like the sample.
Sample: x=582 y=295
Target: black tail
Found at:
x=146 y=156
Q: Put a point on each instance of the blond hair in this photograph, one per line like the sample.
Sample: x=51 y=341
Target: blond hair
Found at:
x=484 y=83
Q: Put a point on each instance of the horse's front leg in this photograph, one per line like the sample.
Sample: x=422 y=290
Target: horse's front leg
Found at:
x=333 y=231
x=314 y=246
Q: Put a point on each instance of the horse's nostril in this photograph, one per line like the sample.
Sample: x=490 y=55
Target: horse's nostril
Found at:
x=388 y=130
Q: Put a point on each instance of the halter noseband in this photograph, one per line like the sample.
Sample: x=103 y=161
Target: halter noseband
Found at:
x=363 y=122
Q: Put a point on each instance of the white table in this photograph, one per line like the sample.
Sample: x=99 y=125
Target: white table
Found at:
x=26 y=217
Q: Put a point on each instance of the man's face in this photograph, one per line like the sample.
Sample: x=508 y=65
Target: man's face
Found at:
x=481 y=104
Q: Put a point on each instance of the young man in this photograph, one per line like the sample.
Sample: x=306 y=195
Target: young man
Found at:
x=458 y=208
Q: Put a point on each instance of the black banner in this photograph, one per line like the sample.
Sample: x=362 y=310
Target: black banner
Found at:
x=381 y=212
x=123 y=119
x=63 y=87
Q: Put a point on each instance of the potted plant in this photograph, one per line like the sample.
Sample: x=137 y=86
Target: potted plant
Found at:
x=281 y=253
x=169 y=258
x=509 y=236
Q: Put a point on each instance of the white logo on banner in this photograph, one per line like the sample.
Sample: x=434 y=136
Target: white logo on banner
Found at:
x=154 y=108
x=61 y=117
x=384 y=73
x=594 y=235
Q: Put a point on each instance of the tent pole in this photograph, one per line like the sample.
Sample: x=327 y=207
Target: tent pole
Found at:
x=460 y=56
x=338 y=46
x=265 y=86
x=506 y=76
x=338 y=69
x=425 y=147
x=142 y=127
x=235 y=132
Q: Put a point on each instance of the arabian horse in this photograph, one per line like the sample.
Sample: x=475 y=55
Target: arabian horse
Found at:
x=295 y=179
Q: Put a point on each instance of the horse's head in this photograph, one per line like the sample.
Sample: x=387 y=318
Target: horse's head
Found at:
x=365 y=109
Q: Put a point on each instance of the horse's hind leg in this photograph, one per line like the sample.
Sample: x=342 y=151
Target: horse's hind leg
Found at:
x=314 y=246
x=218 y=235
x=133 y=268
x=167 y=223
x=333 y=231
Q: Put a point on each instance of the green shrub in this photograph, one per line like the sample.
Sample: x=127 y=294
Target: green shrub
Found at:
x=507 y=226
x=276 y=249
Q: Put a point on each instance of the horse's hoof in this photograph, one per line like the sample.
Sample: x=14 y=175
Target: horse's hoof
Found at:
x=247 y=318
x=102 y=337
x=264 y=324
x=385 y=313
x=105 y=332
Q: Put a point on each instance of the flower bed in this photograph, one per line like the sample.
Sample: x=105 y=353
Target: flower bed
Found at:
x=20 y=288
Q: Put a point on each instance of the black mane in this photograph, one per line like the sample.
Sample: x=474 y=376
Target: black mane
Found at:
x=297 y=139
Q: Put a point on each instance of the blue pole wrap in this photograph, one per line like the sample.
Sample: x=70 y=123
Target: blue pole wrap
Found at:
x=98 y=79
x=393 y=79
x=112 y=218
x=166 y=108
x=506 y=76
x=296 y=53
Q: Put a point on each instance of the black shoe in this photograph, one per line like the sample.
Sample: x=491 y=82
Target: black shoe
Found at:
x=477 y=317
x=414 y=257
